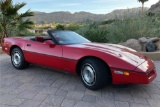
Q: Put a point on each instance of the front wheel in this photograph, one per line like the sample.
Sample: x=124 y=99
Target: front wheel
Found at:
x=94 y=73
x=18 y=60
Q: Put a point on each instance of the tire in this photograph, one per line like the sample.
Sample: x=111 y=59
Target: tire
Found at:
x=95 y=74
x=18 y=60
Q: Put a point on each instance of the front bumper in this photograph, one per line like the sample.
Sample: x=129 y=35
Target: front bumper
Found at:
x=143 y=74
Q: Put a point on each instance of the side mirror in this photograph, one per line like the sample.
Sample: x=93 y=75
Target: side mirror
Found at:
x=50 y=43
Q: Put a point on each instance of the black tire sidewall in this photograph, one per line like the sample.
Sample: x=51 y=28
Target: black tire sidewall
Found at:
x=101 y=72
x=23 y=64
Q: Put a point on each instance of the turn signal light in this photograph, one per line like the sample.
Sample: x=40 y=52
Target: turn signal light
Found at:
x=121 y=72
x=126 y=73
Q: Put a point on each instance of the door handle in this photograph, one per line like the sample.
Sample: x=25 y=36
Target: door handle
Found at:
x=28 y=44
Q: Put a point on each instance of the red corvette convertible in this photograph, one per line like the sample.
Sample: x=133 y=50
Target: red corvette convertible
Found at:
x=96 y=63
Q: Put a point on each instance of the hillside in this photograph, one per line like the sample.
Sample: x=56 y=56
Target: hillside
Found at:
x=155 y=8
x=84 y=17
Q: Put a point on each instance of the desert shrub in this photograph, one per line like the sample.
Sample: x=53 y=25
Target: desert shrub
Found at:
x=74 y=26
x=60 y=27
x=94 y=33
x=16 y=32
x=26 y=33
x=46 y=27
x=120 y=30
x=133 y=27
x=108 y=21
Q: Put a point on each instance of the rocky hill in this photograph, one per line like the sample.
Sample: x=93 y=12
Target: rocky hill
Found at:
x=155 y=8
x=63 y=17
x=120 y=13
x=84 y=17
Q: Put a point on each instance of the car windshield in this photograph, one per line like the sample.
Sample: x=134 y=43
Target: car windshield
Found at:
x=68 y=37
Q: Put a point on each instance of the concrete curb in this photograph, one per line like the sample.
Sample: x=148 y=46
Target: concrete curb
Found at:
x=152 y=55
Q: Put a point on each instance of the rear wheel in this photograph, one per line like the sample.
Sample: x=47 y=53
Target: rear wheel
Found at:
x=94 y=73
x=18 y=60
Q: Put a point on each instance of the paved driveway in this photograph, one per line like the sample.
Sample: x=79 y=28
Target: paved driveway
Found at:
x=42 y=87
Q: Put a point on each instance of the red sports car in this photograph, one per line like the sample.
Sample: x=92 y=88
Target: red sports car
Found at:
x=96 y=63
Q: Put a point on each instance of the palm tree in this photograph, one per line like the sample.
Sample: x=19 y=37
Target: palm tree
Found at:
x=10 y=18
x=142 y=1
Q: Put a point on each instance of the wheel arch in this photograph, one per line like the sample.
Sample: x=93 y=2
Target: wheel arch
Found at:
x=86 y=57
x=14 y=46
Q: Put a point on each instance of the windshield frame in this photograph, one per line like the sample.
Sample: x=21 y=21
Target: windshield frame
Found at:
x=51 y=32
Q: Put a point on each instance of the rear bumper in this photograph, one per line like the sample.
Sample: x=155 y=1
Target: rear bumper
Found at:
x=134 y=77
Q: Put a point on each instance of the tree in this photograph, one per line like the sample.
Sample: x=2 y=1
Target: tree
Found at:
x=10 y=18
x=142 y=1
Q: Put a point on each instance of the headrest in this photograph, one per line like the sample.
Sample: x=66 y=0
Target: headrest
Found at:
x=39 y=39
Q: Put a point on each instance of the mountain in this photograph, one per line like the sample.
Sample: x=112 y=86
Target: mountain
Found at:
x=155 y=8
x=120 y=13
x=83 y=17
x=64 y=17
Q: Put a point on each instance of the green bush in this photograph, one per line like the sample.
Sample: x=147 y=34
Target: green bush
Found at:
x=69 y=26
x=135 y=27
x=120 y=30
x=94 y=33
x=15 y=32
x=26 y=33
x=60 y=27
x=74 y=26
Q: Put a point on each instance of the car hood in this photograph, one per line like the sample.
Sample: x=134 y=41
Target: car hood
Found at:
x=127 y=54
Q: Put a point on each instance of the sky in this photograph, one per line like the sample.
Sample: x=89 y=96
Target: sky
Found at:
x=93 y=6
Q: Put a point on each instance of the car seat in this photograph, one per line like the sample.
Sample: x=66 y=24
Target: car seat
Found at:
x=39 y=39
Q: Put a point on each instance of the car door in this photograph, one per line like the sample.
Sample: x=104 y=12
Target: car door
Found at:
x=43 y=54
